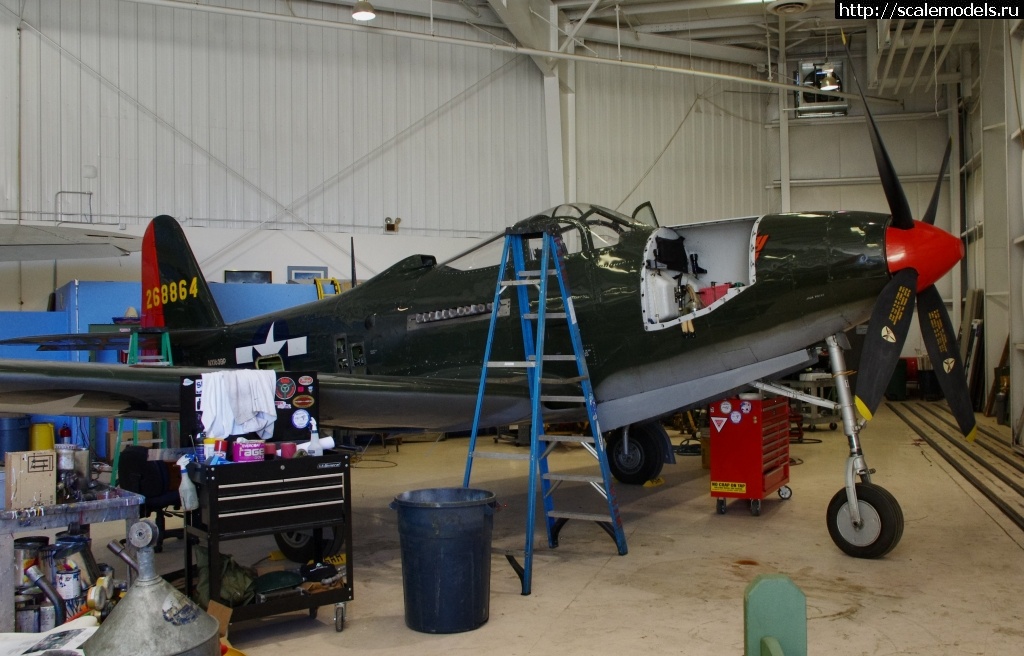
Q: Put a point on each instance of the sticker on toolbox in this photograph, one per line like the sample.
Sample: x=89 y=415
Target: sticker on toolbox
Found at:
x=726 y=407
x=718 y=422
x=746 y=407
x=735 y=417
x=722 y=486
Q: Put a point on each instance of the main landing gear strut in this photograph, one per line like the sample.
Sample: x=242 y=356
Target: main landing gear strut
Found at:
x=864 y=519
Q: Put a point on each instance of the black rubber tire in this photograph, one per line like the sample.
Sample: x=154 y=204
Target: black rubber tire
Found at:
x=720 y=506
x=882 y=522
x=646 y=454
x=297 y=546
x=755 y=507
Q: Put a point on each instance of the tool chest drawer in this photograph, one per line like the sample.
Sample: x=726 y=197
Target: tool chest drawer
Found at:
x=276 y=495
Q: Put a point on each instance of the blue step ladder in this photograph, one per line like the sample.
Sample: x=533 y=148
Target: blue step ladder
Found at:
x=533 y=322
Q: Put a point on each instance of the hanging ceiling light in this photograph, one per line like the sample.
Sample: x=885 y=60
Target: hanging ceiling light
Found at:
x=363 y=11
x=830 y=82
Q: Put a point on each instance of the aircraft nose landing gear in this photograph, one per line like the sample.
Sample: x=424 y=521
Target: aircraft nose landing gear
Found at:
x=864 y=520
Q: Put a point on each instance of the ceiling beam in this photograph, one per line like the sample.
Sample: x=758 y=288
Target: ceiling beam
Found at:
x=686 y=47
x=522 y=19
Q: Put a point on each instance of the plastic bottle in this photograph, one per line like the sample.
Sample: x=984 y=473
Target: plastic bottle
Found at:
x=187 y=490
x=314 y=441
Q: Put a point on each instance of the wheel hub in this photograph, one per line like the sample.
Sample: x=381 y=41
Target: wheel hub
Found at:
x=867 y=532
x=628 y=459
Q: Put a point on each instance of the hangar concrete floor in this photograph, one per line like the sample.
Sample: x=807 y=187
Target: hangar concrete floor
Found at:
x=952 y=586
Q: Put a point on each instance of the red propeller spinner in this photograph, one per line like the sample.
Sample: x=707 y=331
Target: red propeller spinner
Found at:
x=931 y=251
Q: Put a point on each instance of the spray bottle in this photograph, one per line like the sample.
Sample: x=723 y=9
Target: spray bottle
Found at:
x=187 y=490
x=314 y=449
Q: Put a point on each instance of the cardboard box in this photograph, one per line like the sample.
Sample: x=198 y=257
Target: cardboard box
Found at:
x=31 y=479
x=145 y=439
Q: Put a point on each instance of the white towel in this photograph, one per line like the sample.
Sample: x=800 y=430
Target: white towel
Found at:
x=239 y=401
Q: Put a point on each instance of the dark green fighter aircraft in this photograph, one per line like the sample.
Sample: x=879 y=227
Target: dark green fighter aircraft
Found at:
x=670 y=318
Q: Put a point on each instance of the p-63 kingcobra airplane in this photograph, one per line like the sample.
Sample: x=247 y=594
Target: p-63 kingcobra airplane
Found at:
x=403 y=351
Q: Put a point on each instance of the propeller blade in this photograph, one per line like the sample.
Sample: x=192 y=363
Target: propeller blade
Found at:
x=898 y=205
x=933 y=205
x=887 y=330
x=937 y=331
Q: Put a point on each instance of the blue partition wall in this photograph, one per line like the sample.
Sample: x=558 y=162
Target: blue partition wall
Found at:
x=80 y=305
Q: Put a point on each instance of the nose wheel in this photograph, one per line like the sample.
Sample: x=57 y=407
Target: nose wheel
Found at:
x=879 y=529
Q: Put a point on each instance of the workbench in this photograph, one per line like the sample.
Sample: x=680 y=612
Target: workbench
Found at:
x=243 y=500
x=117 y=504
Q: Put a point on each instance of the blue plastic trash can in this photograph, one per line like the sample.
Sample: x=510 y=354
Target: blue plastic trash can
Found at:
x=445 y=536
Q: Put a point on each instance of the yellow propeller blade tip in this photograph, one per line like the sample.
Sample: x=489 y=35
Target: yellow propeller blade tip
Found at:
x=842 y=33
x=973 y=435
x=862 y=409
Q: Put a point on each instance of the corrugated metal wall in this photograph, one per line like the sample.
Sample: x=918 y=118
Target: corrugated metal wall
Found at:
x=234 y=122
x=694 y=147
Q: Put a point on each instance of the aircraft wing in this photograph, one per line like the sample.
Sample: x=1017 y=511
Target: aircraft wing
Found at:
x=25 y=242
x=349 y=401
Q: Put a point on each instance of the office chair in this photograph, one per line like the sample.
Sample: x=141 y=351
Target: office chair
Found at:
x=136 y=473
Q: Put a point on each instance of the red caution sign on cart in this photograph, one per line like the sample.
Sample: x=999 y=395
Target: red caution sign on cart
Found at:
x=749 y=450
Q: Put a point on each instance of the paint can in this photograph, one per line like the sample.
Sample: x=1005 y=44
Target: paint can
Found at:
x=26 y=615
x=26 y=554
x=47 y=616
x=69 y=582
x=74 y=606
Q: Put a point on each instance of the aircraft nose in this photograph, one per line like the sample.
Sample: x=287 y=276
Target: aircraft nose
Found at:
x=931 y=251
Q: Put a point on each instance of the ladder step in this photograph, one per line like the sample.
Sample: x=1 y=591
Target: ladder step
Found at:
x=547 y=315
x=517 y=283
x=564 y=381
x=577 y=439
x=579 y=478
x=590 y=517
x=559 y=358
x=510 y=364
x=501 y=455
x=563 y=399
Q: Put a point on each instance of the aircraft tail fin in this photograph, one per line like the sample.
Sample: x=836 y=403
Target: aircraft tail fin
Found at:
x=174 y=291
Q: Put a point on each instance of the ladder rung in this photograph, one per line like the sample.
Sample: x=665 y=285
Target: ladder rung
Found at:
x=511 y=364
x=580 y=478
x=564 y=381
x=500 y=455
x=578 y=439
x=533 y=273
x=590 y=517
x=547 y=315
x=517 y=283
x=559 y=358
x=563 y=399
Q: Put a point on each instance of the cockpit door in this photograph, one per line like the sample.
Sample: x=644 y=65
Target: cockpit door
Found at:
x=644 y=213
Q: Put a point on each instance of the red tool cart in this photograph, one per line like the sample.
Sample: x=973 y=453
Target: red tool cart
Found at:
x=749 y=449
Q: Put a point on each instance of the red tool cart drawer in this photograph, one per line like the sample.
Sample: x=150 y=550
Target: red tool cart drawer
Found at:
x=749 y=449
